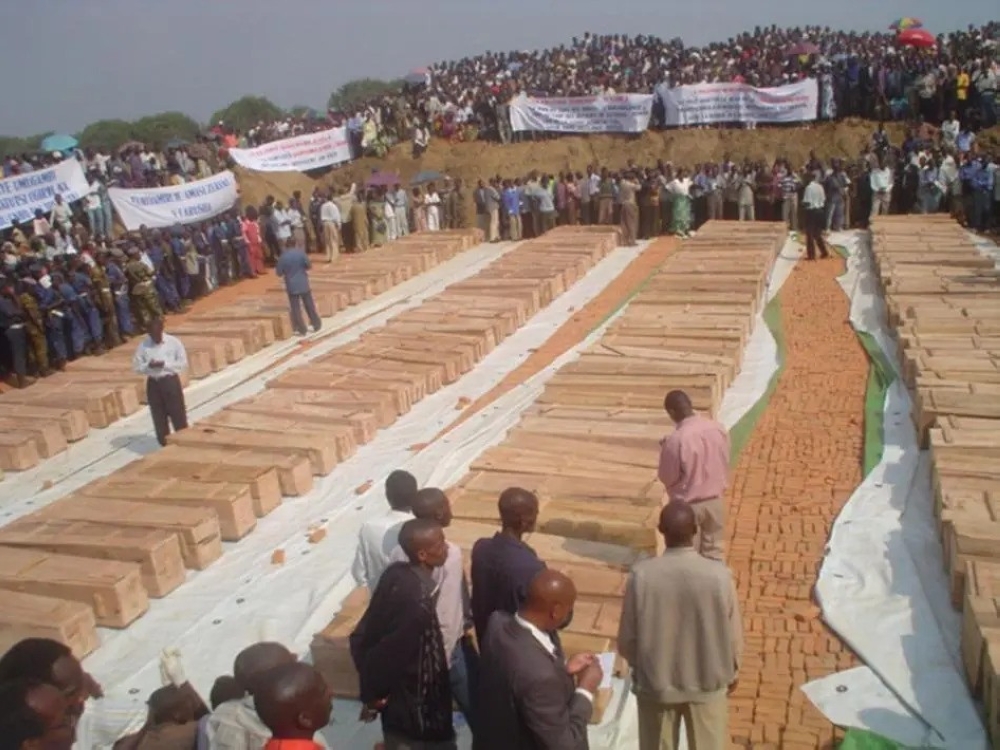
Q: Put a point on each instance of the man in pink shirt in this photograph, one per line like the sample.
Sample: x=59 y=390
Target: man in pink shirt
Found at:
x=694 y=465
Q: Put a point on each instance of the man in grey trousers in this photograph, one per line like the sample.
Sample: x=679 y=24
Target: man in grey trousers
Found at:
x=293 y=266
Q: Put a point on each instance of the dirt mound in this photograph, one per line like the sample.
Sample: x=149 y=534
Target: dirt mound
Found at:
x=471 y=161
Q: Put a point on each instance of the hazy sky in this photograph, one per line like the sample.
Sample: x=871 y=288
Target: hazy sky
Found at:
x=67 y=63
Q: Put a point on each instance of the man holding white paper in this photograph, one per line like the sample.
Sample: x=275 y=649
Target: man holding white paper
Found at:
x=681 y=634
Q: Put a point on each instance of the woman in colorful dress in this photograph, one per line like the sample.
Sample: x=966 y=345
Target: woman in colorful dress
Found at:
x=419 y=211
x=251 y=235
x=680 y=190
x=376 y=219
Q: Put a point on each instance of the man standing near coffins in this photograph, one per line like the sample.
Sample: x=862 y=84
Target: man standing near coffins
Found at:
x=162 y=358
x=694 y=467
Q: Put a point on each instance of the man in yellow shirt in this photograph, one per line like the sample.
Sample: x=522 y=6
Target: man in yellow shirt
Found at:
x=962 y=82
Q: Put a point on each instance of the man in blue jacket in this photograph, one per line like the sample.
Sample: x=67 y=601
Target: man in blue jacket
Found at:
x=293 y=266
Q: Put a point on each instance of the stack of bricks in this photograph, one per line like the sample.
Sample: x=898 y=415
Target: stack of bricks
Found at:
x=589 y=446
x=95 y=392
x=943 y=299
x=171 y=510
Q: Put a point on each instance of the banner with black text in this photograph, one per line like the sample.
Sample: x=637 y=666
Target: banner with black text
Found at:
x=614 y=113
x=298 y=154
x=179 y=204
x=714 y=103
x=22 y=195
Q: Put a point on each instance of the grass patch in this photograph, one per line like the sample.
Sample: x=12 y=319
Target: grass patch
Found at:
x=741 y=431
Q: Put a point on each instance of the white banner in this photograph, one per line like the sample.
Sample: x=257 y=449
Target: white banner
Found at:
x=22 y=195
x=179 y=204
x=616 y=113
x=298 y=154
x=708 y=103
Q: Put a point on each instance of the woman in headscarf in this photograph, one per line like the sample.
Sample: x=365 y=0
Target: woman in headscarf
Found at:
x=419 y=211
x=433 y=201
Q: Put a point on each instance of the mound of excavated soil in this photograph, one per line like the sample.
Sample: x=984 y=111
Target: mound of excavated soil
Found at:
x=471 y=161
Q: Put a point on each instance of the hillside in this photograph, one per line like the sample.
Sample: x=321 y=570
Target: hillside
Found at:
x=471 y=161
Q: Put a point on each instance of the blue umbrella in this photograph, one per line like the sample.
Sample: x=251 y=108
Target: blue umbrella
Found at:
x=58 y=142
x=427 y=175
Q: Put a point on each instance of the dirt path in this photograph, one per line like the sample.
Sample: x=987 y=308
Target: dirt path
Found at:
x=798 y=468
x=577 y=328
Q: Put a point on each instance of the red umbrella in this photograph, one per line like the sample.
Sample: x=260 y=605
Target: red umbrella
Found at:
x=802 y=48
x=916 y=38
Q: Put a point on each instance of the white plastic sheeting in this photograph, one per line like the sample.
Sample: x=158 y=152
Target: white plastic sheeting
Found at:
x=104 y=451
x=882 y=586
x=243 y=598
x=446 y=461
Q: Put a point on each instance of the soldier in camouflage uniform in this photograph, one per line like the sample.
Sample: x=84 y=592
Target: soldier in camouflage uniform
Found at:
x=141 y=290
x=35 y=327
x=104 y=299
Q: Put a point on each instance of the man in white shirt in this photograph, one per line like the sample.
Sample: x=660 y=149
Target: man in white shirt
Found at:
x=235 y=725
x=330 y=218
x=453 y=604
x=62 y=214
x=814 y=201
x=161 y=358
x=380 y=536
x=95 y=209
x=283 y=224
x=881 y=182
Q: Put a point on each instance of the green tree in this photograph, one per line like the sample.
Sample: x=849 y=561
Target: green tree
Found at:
x=300 y=110
x=157 y=130
x=12 y=145
x=355 y=92
x=244 y=113
x=105 y=134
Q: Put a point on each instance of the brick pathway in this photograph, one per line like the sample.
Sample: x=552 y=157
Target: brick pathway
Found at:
x=796 y=471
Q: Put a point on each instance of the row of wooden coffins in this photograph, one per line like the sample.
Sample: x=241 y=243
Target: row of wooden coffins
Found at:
x=95 y=557
x=589 y=446
x=943 y=299
x=94 y=392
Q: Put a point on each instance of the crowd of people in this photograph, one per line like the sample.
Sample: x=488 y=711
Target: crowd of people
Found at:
x=433 y=640
x=860 y=75
x=67 y=290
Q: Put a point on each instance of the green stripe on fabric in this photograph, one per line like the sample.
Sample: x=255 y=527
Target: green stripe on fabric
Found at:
x=880 y=376
x=861 y=739
x=739 y=435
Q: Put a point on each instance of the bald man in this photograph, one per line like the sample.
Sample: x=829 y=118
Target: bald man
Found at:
x=398 y=650
x=681 y=633
x=453 y=611
x=234 y=725
x=294 y=702
x=504 y=565
x=694 y=468
x=530 y=697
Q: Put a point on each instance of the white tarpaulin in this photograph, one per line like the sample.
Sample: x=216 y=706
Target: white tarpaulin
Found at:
x=298 y=154
x=882 y=586
x=22 y=195
x=615 y=113
x=178 y=204
x=243 y=597
x=707 y=103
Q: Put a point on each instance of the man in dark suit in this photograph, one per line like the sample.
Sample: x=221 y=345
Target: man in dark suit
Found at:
x=531 y=698
x=503 y=566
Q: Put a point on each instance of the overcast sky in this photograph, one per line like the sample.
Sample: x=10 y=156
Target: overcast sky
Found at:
x=67 y=63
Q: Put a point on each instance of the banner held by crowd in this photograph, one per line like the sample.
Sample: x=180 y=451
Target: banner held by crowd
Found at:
x=23 y=195
x=180 y=204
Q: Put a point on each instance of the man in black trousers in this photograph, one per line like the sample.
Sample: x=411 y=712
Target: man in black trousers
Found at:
x=162 y=358
x=814 y=201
